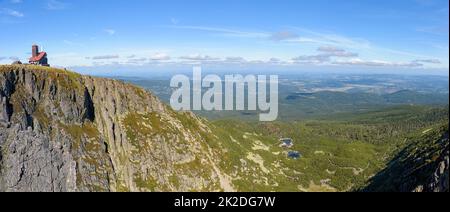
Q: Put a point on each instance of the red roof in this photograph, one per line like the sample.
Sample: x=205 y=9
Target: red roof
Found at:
x=38 y=57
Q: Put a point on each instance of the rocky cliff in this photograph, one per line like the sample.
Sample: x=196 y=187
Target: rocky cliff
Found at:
x=60 y=131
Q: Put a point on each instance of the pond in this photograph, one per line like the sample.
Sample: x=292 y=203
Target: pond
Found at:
x=294 y=155
x=287 y=143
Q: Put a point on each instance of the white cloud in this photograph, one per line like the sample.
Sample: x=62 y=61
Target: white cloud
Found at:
x=110 y=31
x=198 y=57
x=330 y=49
x=432 y=61
x=13 y=13
x=16 y=1
x=137 y=61
x=235 y=60
x=274 y=60
x=313 y=59
x=160 y=56
x=378 y=63
x=326 y=54
x=56 y=5
x=298 y=35
x=338 y=56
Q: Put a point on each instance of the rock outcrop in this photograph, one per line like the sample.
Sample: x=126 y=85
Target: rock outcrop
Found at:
x=439 y=179
x=60 y=131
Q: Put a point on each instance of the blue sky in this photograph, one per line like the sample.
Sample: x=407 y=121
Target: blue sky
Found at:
x=290 y=34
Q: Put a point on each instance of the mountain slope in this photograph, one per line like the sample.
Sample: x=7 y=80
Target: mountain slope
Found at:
x=60 y=131
x=422 y=166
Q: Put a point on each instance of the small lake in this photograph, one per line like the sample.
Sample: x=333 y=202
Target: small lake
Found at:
x=294 y=155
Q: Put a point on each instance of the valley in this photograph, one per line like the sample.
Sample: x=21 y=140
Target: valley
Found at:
x=345 y=129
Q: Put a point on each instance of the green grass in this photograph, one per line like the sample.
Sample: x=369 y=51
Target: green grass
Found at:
x=319 y=154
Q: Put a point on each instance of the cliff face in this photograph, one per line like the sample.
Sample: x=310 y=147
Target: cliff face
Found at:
x=60 y=131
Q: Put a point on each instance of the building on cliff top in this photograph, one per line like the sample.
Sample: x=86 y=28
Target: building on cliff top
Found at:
x=38 y=58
